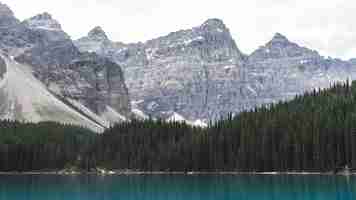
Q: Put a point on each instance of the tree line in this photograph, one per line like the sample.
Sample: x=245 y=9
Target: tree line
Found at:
x=314 y=132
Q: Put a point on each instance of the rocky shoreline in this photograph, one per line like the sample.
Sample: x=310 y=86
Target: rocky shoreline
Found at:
x=130 y=172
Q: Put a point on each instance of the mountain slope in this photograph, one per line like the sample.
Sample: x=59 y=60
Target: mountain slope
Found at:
x=282 y=69
x=202 y=75
x=198 y=73
x=93 y=81
x=182 y=72
x=25 y=98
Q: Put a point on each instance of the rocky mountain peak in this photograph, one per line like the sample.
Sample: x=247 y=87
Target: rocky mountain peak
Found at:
x=43 y=16
x=7 y=18
x=214 y=24
x=43 y=21
x=5 y=10
x=280 y=47
x=279 y=39
x=98 y=34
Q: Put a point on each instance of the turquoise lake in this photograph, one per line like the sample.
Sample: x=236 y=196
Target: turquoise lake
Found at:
x=177 y=187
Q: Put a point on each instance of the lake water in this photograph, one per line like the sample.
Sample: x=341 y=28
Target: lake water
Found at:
x=177 y=187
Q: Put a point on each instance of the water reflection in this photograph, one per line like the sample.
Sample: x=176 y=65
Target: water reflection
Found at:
x=46 y=187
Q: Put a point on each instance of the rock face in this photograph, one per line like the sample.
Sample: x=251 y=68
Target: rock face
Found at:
x=182 y=72
x=51 y=45
x=7 y=18
x=210 y=42
x=108 y=80
x=2 y=69
x=90 y=80
x=280 y=47
x=90 y=75
x=13 y=36
x=195 y=75
x=282 y=69
x=25 y=98
x=201 y=74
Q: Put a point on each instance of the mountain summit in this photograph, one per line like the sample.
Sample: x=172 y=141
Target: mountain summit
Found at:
x=48 y=79
x=7 y=18
x=43 y=21
x=98 y=34
x=176 y=72
x=5 y=10
x=198 y=74
x=280 y=47
x=279 y=39
x=214 y=24
x=201 y=74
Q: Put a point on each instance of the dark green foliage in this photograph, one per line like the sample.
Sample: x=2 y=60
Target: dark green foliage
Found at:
x=149 y=145
x=43 y=146
x=314 y=132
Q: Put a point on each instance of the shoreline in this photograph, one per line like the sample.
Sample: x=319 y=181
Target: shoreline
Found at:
x=128 y=173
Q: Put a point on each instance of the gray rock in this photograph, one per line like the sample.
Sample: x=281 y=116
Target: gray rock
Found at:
x=25 y=98
x=41 y=43
x=281 y=69
x=353 y=61
x=201 y=74
x=108 y=80
x=198 y=73
x=57 y=62
x=2 y=69
x=13 y=36
x=7 y=18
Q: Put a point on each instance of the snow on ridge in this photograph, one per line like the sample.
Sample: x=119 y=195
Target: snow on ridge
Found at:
x=179 y=118
x=113 y=116
x=200 y=123
x=135 y=103
x=46 y=28
x=304 y=61
x=176 y=118
x=230 y=67
x=139 y=113
x=188 y=41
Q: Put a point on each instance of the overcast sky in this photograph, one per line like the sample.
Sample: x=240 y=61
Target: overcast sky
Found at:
x=328 y=26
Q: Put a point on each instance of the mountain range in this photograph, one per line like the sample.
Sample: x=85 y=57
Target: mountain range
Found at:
x=91 y=86
x=201 y=74
x=195 y=75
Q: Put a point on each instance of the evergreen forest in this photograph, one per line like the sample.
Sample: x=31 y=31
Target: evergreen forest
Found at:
x=314 y=132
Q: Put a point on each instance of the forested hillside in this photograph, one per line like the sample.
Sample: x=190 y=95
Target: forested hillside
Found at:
x=314 y=132
x=43 y=146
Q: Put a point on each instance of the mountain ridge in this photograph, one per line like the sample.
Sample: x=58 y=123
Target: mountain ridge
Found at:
x=89 y=82
x=199 y=74
x=205 y=64
x=24 y=98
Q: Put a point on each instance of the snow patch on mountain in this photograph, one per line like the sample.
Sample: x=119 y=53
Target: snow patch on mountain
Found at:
x=139 y=114
x=176 y=118
x=113 y=116
x=200 y=123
